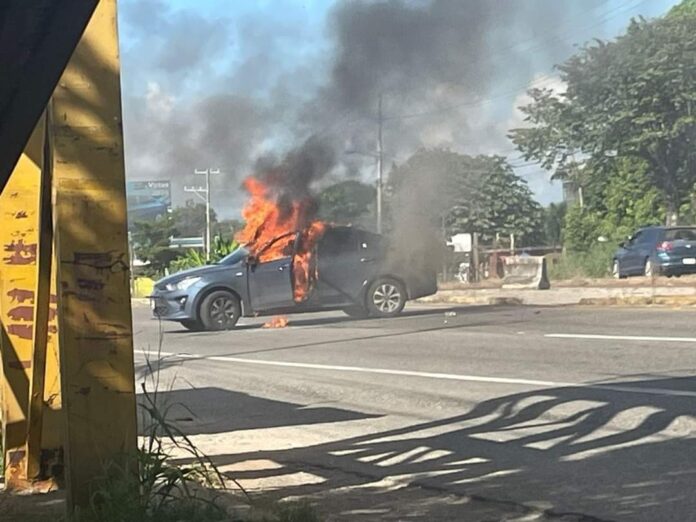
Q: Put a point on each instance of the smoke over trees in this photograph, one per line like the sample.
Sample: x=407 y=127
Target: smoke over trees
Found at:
x=448 y=71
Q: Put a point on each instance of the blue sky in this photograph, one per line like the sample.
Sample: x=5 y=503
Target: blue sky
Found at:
x=269 y=58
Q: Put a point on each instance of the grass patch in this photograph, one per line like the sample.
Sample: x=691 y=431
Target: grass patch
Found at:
x=594 y=263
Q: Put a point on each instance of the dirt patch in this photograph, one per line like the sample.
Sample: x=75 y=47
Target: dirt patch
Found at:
x=32 y=508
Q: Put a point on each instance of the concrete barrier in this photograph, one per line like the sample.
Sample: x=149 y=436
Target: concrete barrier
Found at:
x=526 y=272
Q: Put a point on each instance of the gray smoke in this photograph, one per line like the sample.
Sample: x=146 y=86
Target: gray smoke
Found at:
x=436 y=64
x=292 y=177
x=447 y=70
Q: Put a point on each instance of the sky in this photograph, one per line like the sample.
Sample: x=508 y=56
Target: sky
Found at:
x=221 y=83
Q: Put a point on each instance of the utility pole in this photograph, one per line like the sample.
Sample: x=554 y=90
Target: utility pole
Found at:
x=379 y=165
x=206 y=198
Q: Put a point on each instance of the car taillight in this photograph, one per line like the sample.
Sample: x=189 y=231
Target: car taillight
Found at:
x=665 y=246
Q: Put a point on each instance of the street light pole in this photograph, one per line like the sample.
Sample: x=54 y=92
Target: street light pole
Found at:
x=379 y=166
x=201 y=190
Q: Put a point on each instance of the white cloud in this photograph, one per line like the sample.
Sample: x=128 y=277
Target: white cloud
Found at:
x=157 y=100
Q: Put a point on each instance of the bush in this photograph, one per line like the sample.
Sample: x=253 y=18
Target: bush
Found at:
x=195 y=258
x=595 y=262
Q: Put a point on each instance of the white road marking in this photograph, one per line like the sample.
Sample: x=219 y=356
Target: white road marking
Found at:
x=428 y=375
x=623 y=337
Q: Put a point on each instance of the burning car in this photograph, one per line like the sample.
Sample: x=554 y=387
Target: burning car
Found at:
x=323 y=267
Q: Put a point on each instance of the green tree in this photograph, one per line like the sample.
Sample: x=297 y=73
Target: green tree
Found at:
x=497 y=201
x=227 y=228
x=685 y=8
x=346 y=202
x=189 y=220
x=150 y=240
x=622 y=202
x=554 y=219
x=460 y=193
x=628 y=98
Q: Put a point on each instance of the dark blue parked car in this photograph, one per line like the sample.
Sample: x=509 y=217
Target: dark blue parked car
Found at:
x=669 y=251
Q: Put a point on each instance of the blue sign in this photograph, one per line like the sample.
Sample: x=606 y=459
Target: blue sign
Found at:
x=148 y=200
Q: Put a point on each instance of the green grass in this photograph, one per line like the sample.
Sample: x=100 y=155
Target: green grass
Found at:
x=594 y=263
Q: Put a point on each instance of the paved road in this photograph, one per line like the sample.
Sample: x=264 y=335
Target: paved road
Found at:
x=564 y=410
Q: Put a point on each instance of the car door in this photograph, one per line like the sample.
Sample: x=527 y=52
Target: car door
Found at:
x=270 y=282
x=644 y=248
x=630 y=255
x=339 y=267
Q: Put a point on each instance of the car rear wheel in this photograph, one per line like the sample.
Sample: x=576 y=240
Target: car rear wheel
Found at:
x=649 y=269
x=220 y=310
x=357 y=312
x=386 y=298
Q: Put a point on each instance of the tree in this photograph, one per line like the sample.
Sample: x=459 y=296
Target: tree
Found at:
x=346 y=202
x=685 y=8
x=499 y=202
x=554 y=220
x=622 y=202
x=227 y=228
x=189 y=220
x=460 y=193
x=630 y=98
x=150 y=241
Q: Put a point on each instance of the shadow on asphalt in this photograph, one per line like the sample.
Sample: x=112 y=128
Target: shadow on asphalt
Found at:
x=344 y=319
x=543 y=447
x=211 y=410
x=445 y=325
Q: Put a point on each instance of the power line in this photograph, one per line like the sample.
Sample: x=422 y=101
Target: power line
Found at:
x=608 y=15
x=619 y=9
x=204 y=190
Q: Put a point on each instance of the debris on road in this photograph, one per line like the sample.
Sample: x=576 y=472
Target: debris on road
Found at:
x=279 y=321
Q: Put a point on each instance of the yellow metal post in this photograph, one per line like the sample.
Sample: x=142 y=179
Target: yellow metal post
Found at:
x=42 y=311
x=18 y=279
x=93 y=264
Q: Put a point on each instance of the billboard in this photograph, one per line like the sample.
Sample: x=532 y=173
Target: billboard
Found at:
x=148 y=200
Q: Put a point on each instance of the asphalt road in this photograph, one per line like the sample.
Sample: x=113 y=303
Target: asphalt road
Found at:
x=565 y=410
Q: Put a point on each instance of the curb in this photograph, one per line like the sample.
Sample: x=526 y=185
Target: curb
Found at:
x=658 y=300
x=471 y=300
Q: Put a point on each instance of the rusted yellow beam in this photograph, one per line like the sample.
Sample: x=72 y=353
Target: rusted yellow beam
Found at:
x=42 y=310
x=18 y=279
x=95 y=329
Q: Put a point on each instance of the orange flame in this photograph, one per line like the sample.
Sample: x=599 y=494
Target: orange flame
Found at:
x=279 y=321
x=274 y=230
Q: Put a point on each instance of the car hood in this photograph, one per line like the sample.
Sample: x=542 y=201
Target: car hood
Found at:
x=191 y=272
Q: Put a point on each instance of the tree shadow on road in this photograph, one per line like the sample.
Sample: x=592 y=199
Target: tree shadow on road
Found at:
x=614 y=451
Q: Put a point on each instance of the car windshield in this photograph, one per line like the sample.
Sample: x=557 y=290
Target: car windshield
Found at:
x=235 y=257
x=681 y=234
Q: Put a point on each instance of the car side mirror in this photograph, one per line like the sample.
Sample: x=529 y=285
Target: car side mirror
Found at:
x=252 y=261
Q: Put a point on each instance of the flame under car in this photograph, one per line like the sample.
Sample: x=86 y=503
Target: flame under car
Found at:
x=350 y=269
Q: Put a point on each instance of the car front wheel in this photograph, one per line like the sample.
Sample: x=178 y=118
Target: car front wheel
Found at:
x=357 y=312
x=386 y=298
x=192 y=324
x=220 y=310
